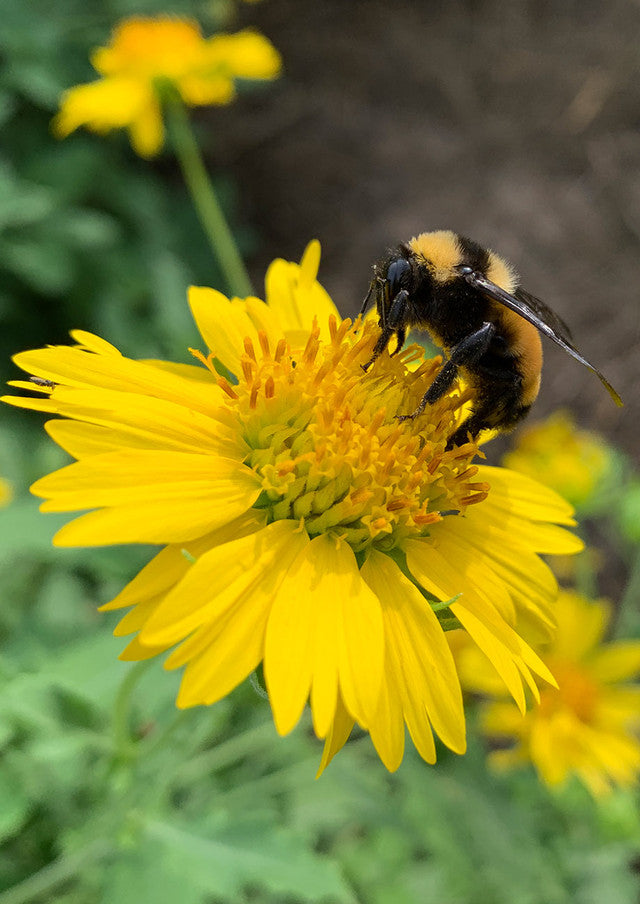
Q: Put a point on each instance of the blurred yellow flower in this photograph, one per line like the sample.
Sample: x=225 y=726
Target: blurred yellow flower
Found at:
x=144 y=58
x=6 y=492
x=589 y=726
x=570 y=461
x=304 y=526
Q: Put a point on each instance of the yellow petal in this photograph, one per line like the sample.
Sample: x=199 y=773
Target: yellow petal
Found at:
x=132 y=475
x=581 y=625
x=147 y=499
x=619 y=706
x=250 y=567
x=101 y=106
x=387 y=729
x=138 y=421
x=476 y=569
x=222 y=325
x=136 y=652
x=429 y=687
x=515 y=492
x=617 y=661
x=325 y=629
x=229 y=650
x=530 y=582
x=295 y=295
x=73 y=367
x=94 y=343
x=172 y=563
x=510 y=655
x=337 y=737
x=146 y=130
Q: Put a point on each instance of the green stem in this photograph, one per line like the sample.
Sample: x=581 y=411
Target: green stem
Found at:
x=41 y=883
x=122 y=710
x=627 y=620
x=228 y=752
x=205 y=201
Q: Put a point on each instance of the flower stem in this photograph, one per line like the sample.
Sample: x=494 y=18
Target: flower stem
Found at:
x=250 y=741
x=205 y=200
x=122 y=710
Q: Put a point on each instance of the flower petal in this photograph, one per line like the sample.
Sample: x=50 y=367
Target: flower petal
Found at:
x=419 y=657
x=172 y=563
x=250 y=567
x=618 y=661
x=324 y=632
x=521 y=495
x=73 y=366
x=222 y=324
x=337 y=736
x=507 y=652
x=296 y=297
x=149 y=497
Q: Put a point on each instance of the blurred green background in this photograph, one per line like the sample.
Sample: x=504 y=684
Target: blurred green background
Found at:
x=207 y=805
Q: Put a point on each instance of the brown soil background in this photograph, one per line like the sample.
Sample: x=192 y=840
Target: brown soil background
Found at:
x=515 y=123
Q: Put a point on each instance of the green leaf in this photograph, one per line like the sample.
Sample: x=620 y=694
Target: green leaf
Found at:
x=23 y=528
x=236 y=853
x=14 y=805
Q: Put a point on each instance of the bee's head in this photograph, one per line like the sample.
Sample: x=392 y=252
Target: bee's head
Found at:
x=391 y=275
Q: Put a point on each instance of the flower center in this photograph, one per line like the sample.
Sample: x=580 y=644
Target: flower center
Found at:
x=326 y=440
x=576 y=691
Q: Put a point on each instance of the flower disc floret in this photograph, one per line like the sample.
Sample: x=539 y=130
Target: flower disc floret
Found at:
x=329 y=448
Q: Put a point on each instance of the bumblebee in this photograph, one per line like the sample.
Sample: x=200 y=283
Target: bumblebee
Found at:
x=469 y=301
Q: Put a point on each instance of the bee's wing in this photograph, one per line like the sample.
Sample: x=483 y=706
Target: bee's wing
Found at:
x=544 y=312
x=539 y=315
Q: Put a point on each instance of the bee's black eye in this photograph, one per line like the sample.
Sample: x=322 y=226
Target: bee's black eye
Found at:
x=464 y=270
x=397 y=270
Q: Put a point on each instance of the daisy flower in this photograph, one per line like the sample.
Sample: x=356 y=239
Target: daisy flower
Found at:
x=588 y=726
x=146 y=59
x=303 y=525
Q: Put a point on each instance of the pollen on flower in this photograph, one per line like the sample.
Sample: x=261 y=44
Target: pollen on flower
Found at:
x=329 y=447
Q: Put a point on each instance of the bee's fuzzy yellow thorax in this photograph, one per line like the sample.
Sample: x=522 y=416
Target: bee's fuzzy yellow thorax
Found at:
x=501 y=273
x=440 y=252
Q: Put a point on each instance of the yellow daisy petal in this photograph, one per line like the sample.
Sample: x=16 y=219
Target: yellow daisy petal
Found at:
x=317 y=634
x=430 y=689
x=149 y=497
x=224 y=326
x=337 y=737
x=172 y=563
x=295 y=295
x=616 y=662
x=249 y=567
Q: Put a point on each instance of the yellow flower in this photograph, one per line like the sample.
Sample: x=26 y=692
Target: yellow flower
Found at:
x=304 y=526
x=589 y=725
x=572 y=462
x=6 y=493
x=145 y=57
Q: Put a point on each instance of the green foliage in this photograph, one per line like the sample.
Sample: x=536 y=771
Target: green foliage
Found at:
x=90 y=236
x=107 y=792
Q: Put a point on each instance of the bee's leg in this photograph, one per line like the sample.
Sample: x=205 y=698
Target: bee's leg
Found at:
x=401 y=334
x=466 y=352
x=394 y=324
x=365 y=303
